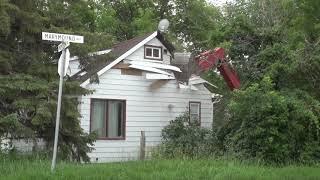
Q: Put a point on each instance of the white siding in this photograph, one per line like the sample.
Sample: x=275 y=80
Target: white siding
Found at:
x=22 y=145
x=138 y=55
x=147 y=110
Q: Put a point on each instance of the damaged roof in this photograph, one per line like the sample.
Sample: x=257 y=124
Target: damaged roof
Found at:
x=116 y=52
x=185 y=61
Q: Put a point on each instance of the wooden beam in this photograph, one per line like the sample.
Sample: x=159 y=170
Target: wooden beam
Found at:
x=142 y=146
x=158 y=84
x=133 y=72
x=121 y=66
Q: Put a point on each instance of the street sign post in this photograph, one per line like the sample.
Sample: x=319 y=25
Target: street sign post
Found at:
x=62 y=66
x=64 y=59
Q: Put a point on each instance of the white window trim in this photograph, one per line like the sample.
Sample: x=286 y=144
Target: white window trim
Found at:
x=199 y=109
x=152 y=48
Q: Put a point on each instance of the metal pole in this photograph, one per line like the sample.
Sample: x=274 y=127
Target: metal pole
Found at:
x=56 y=134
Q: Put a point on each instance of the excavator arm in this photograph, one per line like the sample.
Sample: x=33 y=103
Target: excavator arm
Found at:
x=216 y=58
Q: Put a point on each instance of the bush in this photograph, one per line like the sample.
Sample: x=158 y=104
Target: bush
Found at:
x=263 y=124
x=272 y=126
x=182 y=138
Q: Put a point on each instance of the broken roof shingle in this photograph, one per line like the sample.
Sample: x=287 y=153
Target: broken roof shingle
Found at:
x=124 y=46
x=116 y=51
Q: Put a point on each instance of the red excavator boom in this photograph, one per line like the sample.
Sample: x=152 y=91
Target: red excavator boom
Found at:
x=216 y=58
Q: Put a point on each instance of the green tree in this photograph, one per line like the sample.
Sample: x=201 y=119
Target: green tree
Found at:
x=197 y=24
x=273 y=126
x=273 y=39
x=127 y=19
x=29 y=80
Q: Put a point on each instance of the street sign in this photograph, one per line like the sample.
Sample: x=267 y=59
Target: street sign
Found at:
x=64 y=58
x=63 y=45
x=62 y=37
x=62 y=70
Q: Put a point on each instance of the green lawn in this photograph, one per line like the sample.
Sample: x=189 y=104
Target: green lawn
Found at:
x=154 y=169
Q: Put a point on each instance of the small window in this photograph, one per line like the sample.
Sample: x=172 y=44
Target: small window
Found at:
x=148 y=52
x=195 y=111
x=156 y=53
x=108 y=118
x=153 y=52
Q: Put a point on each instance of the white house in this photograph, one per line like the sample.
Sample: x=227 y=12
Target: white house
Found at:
x=141 y=89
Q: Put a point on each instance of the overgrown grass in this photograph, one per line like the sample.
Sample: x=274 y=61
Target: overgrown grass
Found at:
x=153 y=169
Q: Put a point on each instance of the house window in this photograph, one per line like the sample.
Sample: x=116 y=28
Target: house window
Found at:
x=195 y=111
x=153 y=52
x=108 y=118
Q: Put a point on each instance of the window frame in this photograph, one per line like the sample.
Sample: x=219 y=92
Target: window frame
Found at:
x=160 y=58
x=195 y=102
x=106 y=119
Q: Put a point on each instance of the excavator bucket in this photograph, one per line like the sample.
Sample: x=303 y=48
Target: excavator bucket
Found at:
x=230 y=76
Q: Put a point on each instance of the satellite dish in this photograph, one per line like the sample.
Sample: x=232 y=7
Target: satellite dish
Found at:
x=163 y=25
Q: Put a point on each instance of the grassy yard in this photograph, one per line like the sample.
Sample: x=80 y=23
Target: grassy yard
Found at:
x=154 y=169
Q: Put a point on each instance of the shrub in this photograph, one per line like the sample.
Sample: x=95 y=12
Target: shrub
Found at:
x=182 y=138
x=272 y=126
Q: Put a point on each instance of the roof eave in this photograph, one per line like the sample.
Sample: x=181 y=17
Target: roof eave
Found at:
x=120 y=58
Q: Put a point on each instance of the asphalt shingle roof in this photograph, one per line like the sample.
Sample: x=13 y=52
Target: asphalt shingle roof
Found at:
x=116 y=51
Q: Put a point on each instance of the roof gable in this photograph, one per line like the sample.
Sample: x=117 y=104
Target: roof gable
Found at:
x=122 y=50
x=124 y=46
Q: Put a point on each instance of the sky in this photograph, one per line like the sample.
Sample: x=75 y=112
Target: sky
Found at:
x=218 y=2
